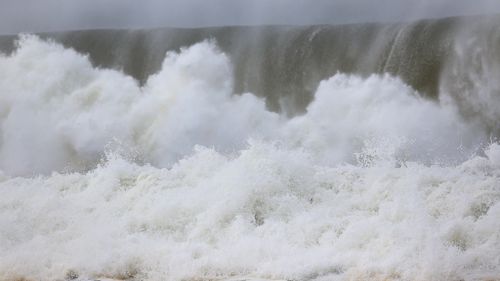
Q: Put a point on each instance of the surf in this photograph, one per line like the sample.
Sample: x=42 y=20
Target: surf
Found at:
x=277 y=153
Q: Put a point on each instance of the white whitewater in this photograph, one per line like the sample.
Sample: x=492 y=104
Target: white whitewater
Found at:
x=181 y=179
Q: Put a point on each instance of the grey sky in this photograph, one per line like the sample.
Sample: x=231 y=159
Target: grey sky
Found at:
x=46 y=15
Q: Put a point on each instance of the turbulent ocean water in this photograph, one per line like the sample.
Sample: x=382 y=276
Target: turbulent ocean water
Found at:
x=352 y=152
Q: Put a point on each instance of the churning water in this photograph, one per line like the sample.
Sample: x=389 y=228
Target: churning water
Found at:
x=364 y=152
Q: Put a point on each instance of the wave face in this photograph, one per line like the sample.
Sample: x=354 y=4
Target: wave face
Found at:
x=363 y=152
x=457 y=56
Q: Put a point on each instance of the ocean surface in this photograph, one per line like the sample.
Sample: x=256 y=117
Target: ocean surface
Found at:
x=350 y=152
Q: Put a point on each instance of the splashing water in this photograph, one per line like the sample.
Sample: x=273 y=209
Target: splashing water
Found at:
x=181 y=179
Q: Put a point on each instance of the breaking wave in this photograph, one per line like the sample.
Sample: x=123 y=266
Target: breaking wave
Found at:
x=182 y=178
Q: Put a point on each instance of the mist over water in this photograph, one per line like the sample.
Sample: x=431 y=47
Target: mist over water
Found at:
x=297 y=158
x=59 y=15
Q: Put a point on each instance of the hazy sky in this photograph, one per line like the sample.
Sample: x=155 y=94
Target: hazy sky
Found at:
x=44 y=15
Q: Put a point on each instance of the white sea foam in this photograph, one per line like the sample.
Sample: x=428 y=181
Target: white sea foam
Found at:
x=183 y=180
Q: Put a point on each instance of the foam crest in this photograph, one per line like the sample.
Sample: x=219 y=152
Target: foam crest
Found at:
x=181 y=179
x=351 y=115
x=59 y=113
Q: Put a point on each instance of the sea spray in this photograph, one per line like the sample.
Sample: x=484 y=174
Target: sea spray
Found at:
x=60 y=113
x=371 y=182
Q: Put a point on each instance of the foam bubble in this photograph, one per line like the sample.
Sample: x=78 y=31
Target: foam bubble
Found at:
x=267 y=212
